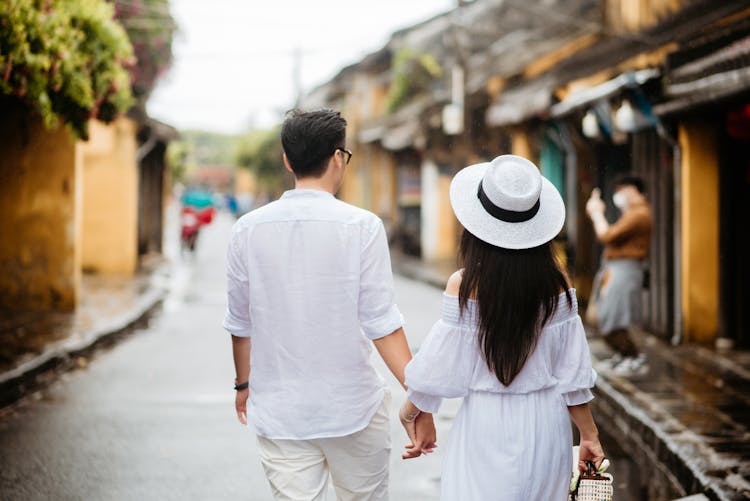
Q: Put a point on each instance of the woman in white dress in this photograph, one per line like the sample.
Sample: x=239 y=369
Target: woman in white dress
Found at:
x=510 y=342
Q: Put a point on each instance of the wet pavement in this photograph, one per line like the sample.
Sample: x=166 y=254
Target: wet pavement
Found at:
x=152 y=417
x=105 y=301
x=33 y=343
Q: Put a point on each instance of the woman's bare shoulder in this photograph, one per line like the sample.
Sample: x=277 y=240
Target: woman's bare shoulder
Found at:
x=454 y=283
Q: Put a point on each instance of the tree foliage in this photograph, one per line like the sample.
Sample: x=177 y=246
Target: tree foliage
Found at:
x=197 y=148
x=413 y=72
x=67 y=59
x=260 y=152
x=151 y=29
x=209 y=148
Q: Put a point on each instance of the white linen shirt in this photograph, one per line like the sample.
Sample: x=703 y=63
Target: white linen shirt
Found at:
x=309 y=280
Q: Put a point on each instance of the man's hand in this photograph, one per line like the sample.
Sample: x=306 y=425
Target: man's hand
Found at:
x=426 y=433
x=241 y=354
x=240 y=404
x=595 y=204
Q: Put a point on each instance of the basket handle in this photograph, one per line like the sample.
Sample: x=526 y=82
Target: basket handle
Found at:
x=590 y=468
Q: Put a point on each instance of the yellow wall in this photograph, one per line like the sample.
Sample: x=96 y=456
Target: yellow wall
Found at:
x=245 y=182
x=521 y=144
x=633 y=15
x=110 y=198
x=447 y=244
x=352 y=190
x=439 y=235
x=700 y=230
x=40 y=175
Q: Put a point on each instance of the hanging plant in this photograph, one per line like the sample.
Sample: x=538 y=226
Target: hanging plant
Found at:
x=151 y=28
x=413 y=72
x=69 y=60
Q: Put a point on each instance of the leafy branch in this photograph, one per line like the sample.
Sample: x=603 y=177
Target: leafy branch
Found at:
x=67 y=59
x=260 y=152
x=413 y=72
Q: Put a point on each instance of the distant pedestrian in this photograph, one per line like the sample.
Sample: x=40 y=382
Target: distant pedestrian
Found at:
x=510 y=342
x=616 y=295
x=310 y=286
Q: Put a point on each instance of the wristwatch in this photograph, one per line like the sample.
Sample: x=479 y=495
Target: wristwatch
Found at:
x=241 y=386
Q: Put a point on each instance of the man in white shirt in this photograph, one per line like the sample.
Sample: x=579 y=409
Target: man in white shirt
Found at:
x=310 y=285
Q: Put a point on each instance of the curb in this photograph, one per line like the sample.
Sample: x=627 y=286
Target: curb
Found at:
x=652 y=445
x=33 y=374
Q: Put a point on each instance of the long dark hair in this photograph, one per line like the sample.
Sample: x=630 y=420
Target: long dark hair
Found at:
x=516 y=292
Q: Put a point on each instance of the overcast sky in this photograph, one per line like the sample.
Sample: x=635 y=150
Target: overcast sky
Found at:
x=233 y=62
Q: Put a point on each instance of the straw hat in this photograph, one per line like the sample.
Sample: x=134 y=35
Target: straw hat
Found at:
x=507 y=203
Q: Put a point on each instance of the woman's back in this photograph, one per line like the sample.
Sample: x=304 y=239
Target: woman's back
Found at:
x=451 y=363
x=508 y=342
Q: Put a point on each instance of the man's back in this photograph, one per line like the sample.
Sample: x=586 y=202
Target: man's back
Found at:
x=316 y=272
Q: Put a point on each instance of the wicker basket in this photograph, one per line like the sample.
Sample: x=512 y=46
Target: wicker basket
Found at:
x=593 y=486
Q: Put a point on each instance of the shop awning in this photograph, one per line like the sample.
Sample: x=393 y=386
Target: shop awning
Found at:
x=718 y=75
x=607 y=89
x=371 y=134
x=398 y=130
x=519 y=104
x=401 y=136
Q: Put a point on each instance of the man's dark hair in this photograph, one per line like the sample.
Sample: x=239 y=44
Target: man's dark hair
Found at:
x=309 y=138
x=630 y=180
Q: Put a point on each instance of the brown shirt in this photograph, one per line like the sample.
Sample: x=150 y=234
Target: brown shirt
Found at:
x=630 y=236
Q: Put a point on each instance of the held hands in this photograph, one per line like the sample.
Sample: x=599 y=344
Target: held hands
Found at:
x=420 y=428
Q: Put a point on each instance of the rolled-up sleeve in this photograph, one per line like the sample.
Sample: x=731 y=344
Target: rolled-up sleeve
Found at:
x=378 y=313
x=237 y=318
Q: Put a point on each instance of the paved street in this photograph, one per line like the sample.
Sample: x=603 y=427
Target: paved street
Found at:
x=152 y=418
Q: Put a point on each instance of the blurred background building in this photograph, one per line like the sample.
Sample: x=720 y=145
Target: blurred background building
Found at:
x=588 y=89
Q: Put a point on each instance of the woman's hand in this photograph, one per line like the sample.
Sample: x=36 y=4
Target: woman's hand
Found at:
x=408 y=416
x=420 y=428
x=590 y=450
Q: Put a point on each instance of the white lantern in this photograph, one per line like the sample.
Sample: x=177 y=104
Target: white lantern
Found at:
x=629 y=119
x=590 y=125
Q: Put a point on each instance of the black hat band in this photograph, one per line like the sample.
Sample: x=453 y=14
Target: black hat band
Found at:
x=509 y=216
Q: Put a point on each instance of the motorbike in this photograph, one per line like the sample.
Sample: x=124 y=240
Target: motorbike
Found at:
x=191 y=222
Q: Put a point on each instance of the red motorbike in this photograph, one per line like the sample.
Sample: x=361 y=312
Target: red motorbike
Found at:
x=191 y=221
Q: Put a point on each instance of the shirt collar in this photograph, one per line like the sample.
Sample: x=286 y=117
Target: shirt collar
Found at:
x=296 y=193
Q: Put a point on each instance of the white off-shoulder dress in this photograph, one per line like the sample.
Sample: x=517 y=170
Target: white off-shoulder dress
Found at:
x=508 y=442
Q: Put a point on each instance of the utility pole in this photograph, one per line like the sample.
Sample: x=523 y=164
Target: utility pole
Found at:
x=297 y=75
x=453 y=112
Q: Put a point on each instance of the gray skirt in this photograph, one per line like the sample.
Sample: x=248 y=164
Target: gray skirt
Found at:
x=617 y=294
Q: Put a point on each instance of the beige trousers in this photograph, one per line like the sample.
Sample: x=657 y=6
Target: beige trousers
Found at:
x=357 y=464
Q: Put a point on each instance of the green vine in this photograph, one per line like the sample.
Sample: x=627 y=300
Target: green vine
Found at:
x=413 y=72
x=67 y=59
